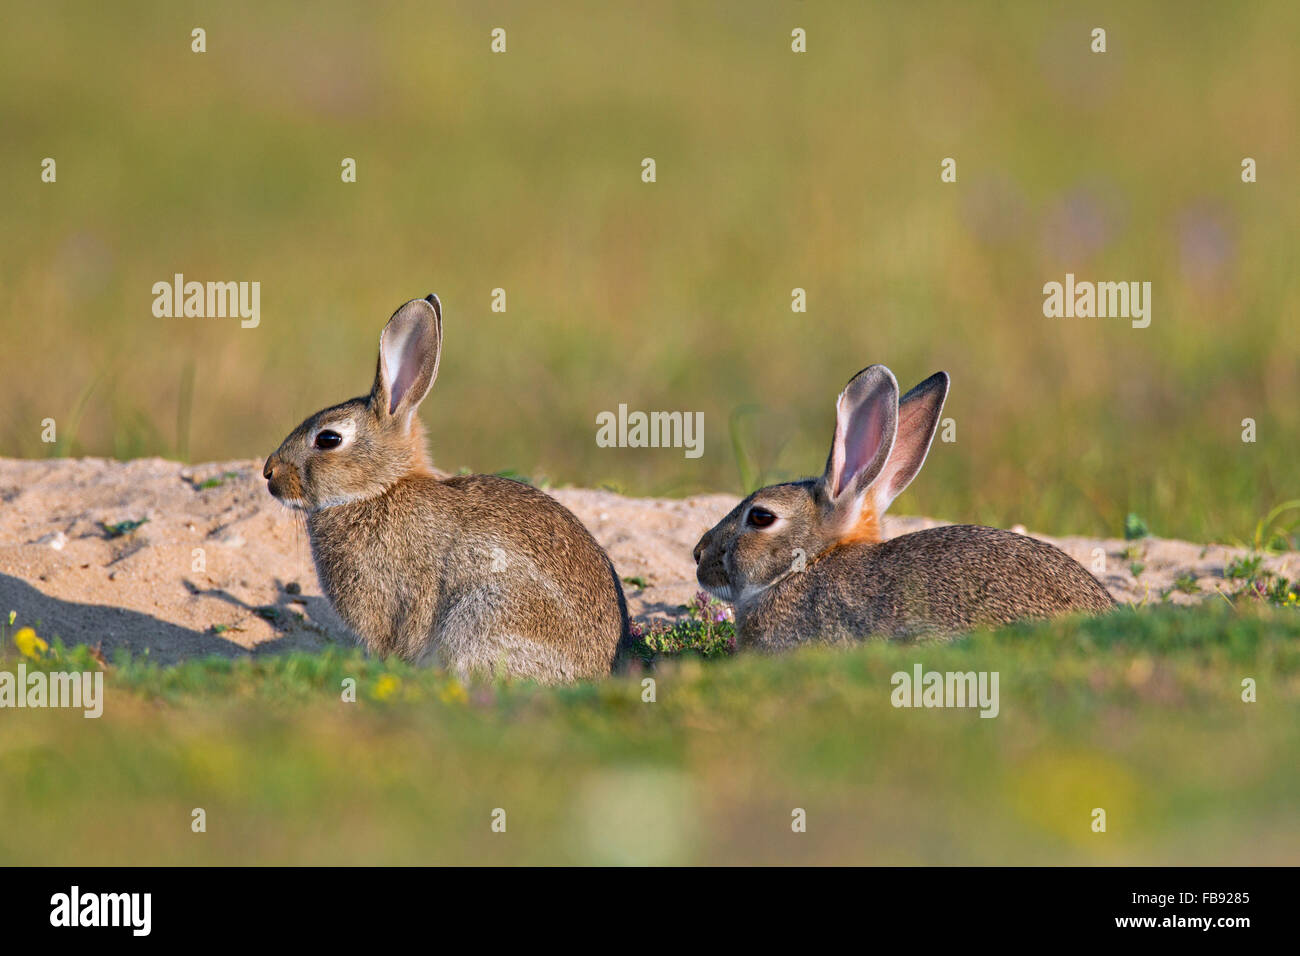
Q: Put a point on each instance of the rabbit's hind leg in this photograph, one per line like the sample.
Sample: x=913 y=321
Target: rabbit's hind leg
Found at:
x=484 y=655
x=477 y=638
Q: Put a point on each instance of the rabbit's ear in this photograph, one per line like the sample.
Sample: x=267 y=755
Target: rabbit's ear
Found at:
x=866 y=419
x=408 y=357
x=918 y=418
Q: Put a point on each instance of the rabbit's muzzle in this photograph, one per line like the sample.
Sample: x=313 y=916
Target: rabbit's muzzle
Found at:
x=710 y=570
x=282 y=480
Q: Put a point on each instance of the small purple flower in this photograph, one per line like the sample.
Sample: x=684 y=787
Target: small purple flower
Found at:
x=1206 y=242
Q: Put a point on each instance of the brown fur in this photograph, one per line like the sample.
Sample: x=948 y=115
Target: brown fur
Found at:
x=477 y=573
x=820 y=573
x=953 y=578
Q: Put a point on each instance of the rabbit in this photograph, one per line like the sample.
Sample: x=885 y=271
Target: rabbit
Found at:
x=479 y=574
x=805 y=561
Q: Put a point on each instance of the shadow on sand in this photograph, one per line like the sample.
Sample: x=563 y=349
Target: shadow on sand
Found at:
x=114 y=628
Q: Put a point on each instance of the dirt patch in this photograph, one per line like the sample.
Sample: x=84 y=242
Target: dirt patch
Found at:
x=184 y=560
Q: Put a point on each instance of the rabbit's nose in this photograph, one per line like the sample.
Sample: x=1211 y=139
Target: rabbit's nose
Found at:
x=699 y=550
x=268 y=470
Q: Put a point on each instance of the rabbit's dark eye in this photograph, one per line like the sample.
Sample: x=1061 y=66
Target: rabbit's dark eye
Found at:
x=760 y=517
x=328 y=439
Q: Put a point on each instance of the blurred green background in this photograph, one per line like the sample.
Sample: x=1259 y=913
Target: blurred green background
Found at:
x=775 y=171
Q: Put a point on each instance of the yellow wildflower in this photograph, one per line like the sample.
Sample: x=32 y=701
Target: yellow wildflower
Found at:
x=387 y=686
x=28 y=644
x=453 y=693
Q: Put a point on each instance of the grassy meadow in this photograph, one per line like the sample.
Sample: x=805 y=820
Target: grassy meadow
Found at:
x=775 y=171
x=1140 y=715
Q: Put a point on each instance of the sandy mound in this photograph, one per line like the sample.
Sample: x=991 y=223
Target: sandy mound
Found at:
x=219 y=567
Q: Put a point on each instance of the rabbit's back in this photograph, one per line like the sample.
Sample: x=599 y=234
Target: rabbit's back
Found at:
x=475 y=571
x=951 y=578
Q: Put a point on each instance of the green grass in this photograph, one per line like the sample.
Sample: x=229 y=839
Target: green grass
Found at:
x=1139 y=713
x=775 y=171
x=216 y=481
x=122 y=528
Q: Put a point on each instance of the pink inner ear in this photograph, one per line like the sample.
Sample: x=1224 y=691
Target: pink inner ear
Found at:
x=401 y=385
x=916 y=418
x=403 y=356
x=913 y=422
x=861 y=442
